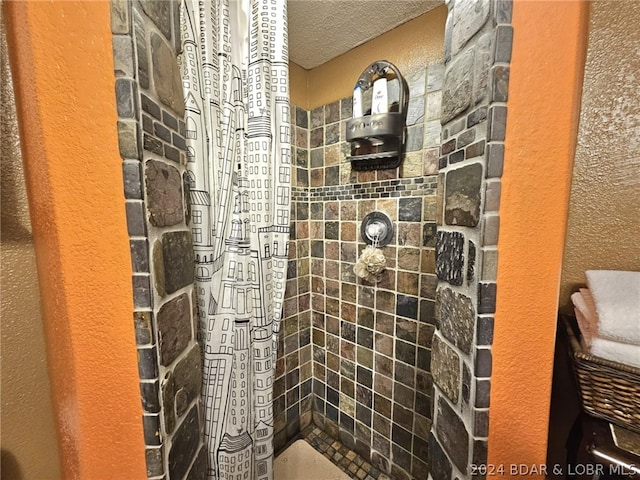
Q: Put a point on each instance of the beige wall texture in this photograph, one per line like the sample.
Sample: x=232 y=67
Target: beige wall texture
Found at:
x=605 y=193
x=29 y=445
x=410 y=46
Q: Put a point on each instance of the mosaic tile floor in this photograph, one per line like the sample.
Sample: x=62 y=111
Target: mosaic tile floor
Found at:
x=347 y=460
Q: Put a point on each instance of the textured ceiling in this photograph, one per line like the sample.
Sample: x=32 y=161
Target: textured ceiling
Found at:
x=320 y=30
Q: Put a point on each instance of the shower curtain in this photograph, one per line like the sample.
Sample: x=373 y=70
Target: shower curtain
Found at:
x=235 y=78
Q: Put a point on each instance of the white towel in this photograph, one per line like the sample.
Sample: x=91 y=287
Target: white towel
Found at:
x=616 y=295
x=585 y=315
x=616 y=351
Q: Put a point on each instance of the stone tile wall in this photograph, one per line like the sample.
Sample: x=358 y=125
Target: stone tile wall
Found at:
x=477 y=54
x=151 y=138
x=292 y=389
x=371 y=343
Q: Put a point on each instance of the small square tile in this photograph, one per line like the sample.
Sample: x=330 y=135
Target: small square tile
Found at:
x=407 y=306
x=410 y=209
x=346 y=108
x=317 y=117
x=302 y=117
x=316 y=137
x=332 y=134
x=332 y=112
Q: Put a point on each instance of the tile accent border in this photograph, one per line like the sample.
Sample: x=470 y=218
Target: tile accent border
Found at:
x=478 y=40
x=151 y=135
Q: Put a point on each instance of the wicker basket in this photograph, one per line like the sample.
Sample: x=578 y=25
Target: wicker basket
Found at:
x=609 y=390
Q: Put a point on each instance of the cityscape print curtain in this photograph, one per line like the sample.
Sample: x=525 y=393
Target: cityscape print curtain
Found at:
x=234 y=68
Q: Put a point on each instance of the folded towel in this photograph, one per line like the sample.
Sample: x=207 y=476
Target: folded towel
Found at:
x=615 y=351
x=585 y=315
x=616 y=295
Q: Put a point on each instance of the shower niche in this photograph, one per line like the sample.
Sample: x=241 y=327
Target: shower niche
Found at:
x=377 y=133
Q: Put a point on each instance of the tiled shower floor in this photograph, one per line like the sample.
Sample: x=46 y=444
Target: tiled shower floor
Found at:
x=347 y=460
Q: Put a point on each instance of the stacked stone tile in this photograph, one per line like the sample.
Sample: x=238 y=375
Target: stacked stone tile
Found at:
x=152 y=144
x=370 y=344
x=477 y=54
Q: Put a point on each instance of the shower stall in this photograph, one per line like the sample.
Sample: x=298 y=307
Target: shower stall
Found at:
x=392 y=377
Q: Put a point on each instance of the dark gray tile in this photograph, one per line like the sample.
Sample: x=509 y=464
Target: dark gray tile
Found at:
x=317 y=117
x=451 y=431
x=471 y=262
x=497 y=123
x=149 y=391
x=152 y=144
x=163 y=186
x=456 y=157
x=332 y=134
x=142 y=55
x=139 y=256
x=477 y=116
x=484 y=333
x=169 y=120
x=503 y=11
x=410 y=209
x=465 y=138
x=302 y=117
x=132 y=180
x=152 y=430
x=129 y=139
x=495 y=160
x=499 y=83
x=151 y=107
x=466 y=384
x=481 y=423
x=346 y=108
x=483 y=390
x=141 y=291
x=144 y=328
x=126 y=93
x=407 y=306
x=440 y=464
x=147 y=363
x=176 y=271
x=184 y=445
x=332 y=112
x=487 y=297
x=154 y=460
x=483 y=362
x=174 y=328
x=405 y=352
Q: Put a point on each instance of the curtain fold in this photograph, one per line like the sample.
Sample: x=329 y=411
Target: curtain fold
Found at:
x=235 y=77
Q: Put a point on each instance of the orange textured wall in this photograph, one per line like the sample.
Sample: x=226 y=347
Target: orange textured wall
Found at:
x=61 y=57
x=544 y=102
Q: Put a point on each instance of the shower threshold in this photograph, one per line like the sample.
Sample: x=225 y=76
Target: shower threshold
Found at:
x=318 y=456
